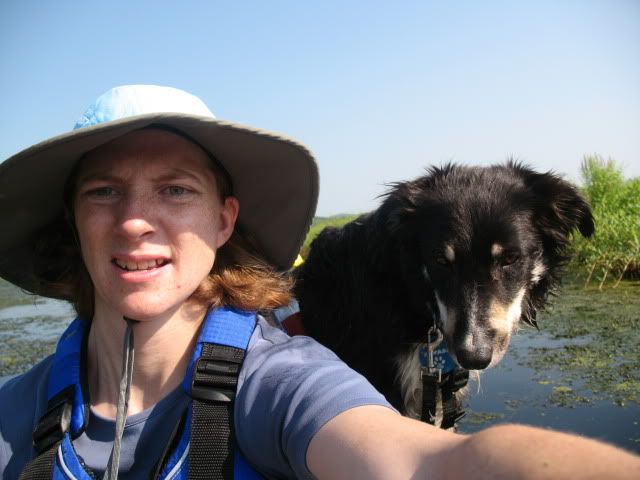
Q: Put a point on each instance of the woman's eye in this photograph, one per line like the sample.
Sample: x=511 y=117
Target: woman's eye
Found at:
x=176 y=190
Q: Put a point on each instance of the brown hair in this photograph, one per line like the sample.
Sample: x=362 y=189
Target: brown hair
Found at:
x=240 y=276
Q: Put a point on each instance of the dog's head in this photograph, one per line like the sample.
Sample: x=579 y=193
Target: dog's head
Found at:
x=488 y=244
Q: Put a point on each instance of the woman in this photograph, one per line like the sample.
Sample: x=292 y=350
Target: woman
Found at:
x=166 y=227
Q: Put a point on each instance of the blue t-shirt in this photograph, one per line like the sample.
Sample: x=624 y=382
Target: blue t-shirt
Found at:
x=288 y=388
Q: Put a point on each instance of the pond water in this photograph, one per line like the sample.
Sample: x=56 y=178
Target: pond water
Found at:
x=515 y=393
x=580 y=373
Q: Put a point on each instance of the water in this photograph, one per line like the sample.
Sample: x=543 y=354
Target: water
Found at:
x=514 y=393
x=581 y=374
x=29 y=328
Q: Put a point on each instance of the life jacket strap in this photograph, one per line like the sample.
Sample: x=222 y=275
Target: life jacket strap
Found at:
x=55 y=422
x=211 y=446
x=41 y=467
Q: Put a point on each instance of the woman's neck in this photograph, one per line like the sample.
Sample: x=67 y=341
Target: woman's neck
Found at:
x=163 y=349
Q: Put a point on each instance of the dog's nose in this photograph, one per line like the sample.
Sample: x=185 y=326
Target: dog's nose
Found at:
x=475 y=359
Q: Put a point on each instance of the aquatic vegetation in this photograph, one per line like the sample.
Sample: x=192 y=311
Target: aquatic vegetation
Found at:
x=600 y=358
x=480 y=418
x=29 y=328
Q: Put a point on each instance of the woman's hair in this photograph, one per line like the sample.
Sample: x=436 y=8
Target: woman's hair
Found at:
x=240 y=276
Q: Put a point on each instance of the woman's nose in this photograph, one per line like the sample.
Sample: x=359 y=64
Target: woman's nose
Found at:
x=135 y=216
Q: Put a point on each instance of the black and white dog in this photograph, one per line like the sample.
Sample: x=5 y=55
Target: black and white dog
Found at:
x=476 y=250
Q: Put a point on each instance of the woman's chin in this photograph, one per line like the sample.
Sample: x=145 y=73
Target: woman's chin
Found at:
x=144 y=307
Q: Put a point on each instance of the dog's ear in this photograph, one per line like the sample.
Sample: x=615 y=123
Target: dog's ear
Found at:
x=559 y=207
x=399 y=207
x=402 y=199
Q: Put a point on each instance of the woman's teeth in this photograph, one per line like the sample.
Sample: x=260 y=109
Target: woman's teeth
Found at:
x=145 y=265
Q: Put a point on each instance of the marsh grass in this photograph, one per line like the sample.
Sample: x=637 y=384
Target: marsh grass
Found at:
x=613 y=253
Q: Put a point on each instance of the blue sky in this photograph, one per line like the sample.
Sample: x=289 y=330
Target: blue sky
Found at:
x=377 y=90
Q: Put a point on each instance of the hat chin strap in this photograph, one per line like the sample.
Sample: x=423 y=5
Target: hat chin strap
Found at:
x=111 y=472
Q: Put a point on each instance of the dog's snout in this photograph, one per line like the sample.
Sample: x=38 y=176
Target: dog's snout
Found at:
x=474 y=359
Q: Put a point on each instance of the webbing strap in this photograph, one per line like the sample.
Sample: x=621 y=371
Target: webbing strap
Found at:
x=449 y=409
x=211 y=447
x=55 y=422
x=450 y=383
x=452 y=410
x=41 y=467
x=429 y=394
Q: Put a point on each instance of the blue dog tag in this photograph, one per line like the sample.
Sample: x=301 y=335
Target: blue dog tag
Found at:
x=441 y=358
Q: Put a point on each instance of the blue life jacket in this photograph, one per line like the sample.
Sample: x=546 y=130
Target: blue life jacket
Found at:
x=67 y=415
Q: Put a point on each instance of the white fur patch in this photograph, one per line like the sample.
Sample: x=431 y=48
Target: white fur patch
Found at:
x=538 y=270
x=504 y=317
x=409 y=378
x=496 y=249
x=515 y=310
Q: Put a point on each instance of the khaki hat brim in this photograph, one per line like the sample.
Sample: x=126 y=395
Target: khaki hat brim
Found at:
x=274 y=178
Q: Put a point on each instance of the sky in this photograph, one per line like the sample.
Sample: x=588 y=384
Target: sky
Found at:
x=378 y=91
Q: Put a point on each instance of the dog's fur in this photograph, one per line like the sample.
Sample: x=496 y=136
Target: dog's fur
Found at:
x=475 y=249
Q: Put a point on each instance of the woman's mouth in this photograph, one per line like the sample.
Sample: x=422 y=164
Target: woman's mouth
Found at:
x=132 y=266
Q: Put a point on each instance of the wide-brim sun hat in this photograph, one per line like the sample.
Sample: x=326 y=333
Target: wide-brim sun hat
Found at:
x=275 y=178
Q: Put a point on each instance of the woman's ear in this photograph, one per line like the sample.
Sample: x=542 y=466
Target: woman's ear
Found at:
x=227 y=220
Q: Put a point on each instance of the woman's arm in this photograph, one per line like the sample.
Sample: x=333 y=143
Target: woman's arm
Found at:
x=373 y=442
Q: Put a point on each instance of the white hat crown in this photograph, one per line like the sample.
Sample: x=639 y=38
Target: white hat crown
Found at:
x=132 y=100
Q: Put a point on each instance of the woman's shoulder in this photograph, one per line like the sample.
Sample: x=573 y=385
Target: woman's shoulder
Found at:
x=288 y=388
x=269 y=336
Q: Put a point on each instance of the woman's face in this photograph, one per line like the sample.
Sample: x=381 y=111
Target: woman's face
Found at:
x=149 y=219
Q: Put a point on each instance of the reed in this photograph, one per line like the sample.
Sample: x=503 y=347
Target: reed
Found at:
x=613 y=253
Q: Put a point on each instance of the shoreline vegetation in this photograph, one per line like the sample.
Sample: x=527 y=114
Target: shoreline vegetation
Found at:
x=613 y=253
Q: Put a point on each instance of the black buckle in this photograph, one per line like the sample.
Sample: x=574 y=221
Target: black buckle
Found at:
x=215 y=380
x=55 y=422
x=460 y=378
x=456 y=379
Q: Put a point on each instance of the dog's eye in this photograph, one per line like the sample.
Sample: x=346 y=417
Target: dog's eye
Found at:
x=509 y=259
x=442 y=260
